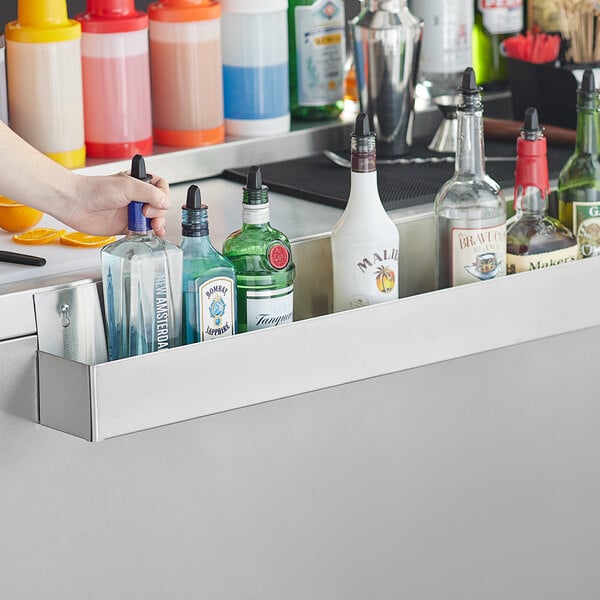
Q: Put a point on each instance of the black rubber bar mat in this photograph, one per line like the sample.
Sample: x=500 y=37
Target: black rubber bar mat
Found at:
x=317 y=179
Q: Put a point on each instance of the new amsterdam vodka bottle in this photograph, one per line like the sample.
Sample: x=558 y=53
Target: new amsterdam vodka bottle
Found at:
x=579 y=179
x=535 y=240
x=365 y=241
x=470 y=210
x=262 y=258
x=208 y=277
x=141 y=278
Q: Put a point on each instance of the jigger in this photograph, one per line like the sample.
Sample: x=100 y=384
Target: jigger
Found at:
x=444 y=139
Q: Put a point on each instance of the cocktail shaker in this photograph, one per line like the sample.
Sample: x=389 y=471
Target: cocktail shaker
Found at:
x=386 y=42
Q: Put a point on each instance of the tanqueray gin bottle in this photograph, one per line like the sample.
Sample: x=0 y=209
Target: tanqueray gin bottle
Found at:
x=534 y=240
x=262 y=258
x=141 y=278
x=209 y=309
x=365 y=241
x=470 y=210
x=579 y=179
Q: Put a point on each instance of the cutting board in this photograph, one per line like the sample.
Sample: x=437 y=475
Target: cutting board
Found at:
x=59 y=258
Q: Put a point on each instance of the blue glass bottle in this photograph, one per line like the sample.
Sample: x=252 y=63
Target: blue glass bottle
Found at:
x=208 y=277
x=141 y=276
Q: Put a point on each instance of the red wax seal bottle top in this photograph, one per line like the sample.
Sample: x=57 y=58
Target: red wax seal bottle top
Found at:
x=112 y=16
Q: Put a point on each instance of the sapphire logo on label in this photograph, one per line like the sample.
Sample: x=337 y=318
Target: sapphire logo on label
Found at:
x=330 y=10
x=279 y=256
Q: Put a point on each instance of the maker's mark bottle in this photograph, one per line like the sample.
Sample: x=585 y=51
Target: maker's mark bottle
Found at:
x=470 y=210
x=262 y=258
x=365 y=241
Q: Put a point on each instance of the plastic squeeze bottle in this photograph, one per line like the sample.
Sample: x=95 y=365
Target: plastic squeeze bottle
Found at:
x=45 y=99
x=186 y=68
x=116 y=79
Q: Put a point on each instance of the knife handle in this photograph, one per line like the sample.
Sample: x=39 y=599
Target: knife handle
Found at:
x=503 y=129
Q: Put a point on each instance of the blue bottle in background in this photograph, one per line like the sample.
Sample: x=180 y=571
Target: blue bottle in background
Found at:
x=141 y=277
x=255 y=67
x=208 y=277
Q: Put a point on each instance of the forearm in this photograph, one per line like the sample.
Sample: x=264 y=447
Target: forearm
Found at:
x=30 y=177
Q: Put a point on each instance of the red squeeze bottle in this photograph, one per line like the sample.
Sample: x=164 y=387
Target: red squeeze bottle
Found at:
x=116 y=79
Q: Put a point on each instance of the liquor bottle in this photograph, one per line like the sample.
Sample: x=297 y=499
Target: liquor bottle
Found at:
x=262 y=258
x=579 y=179
x=534 y=240
x=208 y=277
x=446 y=47
x=495 y=20
x=470 y=210
x=365 y=241
x=141 y=277
x=317 y=46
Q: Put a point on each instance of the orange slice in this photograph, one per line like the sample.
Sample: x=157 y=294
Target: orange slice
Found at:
x=17 y=217
x=76 y=238
x=41 y=235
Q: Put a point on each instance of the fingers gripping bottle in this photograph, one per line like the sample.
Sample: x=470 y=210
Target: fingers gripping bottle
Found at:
x=116 y=79
x=45 y=99
x=187 y=75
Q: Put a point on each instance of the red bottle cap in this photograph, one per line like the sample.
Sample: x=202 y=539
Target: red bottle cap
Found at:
x=184 y=10
x=112 y=16
x=532 y=166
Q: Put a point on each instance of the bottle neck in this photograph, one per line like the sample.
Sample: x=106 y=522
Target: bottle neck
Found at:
x=470 y=157
x=255 y=215
x=385 y=5
x=586 y=141
x=531 y=202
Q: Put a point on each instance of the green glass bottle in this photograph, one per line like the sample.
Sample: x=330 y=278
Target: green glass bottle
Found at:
x=493 y=23
x=317 y=47
x=208 y=277
x=262 y=258
x=579 y=179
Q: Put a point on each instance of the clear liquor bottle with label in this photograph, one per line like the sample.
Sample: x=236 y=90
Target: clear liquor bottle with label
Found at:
x=317 y=48
x=141 y=277
x=579 y=179
x=365 y=241
x=470 y=210
x=209 y=303
x=262 y=258
x=534 y=240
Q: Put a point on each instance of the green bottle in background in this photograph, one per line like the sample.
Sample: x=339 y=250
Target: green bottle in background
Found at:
x=579 y=179
x=262 y=258
x=317 y=47
x=494 y=22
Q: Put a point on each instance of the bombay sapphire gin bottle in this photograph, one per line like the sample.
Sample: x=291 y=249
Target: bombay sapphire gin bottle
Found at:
x=262 y=258
x=141 y=278
x=209 y=308
x=469 y=209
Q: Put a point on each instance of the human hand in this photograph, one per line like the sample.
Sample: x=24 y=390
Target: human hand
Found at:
x=98 y=204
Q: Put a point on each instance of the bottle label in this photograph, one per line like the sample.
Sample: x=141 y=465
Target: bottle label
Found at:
x=161 y=303
x=255 y=214
x=364 y=275
x=478 y=254
x=269 y=308
x=447 y=45
x=502 y=16
x=320 y=49
x=278 y=256
x=215 y=307
x=586 y=227
x=533 y=262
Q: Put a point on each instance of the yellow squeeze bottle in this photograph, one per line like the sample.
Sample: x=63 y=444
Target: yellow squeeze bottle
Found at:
x=45 y=97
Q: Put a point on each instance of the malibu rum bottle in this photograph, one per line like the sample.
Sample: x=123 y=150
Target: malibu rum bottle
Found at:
x=365 y=241
x=535 y=240
x=208 y=277
x=262 y=258
x=141 y=277
x=470 y=210
x=579 y=179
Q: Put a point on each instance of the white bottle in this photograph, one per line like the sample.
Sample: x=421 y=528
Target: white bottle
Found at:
x=365 y=241
x=446 y=48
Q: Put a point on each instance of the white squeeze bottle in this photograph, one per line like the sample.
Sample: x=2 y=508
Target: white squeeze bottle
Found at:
x=45 y=97
x=365 y=241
